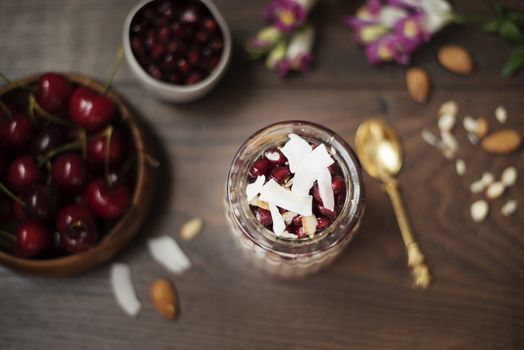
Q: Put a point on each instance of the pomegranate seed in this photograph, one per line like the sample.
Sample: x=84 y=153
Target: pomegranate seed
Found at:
x=281 y=174
x=275 y=157
x=155 y=71
x=333 y=168
x=259 y=168
x=338 y=184
x=300 y=232
x=264 y=216
x=316 y=193
x=157 y=52
x=194 y=57
x=325 y=212
x=183 y=65
x=137 y=45
x=164 y=33
x=216 y=44
x=194 y=78
x=322 y=224
x=210 y=24
x=297 y=221
x=202 y=36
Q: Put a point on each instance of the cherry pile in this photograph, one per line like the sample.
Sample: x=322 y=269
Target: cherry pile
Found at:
x=274 y=165
x=65 y=171
x=176 y=41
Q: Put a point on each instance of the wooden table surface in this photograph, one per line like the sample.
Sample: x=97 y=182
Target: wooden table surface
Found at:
x=364 y=300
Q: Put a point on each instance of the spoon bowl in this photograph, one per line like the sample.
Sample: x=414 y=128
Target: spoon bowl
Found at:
x=379 y=149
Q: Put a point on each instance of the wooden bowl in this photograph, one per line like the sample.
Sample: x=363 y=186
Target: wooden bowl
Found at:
x=126 y=227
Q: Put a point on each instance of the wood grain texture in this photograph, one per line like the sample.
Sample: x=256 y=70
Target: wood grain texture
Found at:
x=364 y=301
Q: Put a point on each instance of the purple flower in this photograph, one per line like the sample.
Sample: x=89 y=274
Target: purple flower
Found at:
x=287 y=15
x=300 y=48
x=263 y=42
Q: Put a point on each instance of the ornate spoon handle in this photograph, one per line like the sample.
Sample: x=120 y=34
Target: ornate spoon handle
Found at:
x=416 y=261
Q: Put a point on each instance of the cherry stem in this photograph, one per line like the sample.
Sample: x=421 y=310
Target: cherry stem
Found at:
x=9 y=238
x=49 y=169
x=129 y=163
x=33 y=105
x=6 y=110
x=108 y=134
x=116 y=65
x=11 y=195
x=83 y=143
x=54 y=152
x=5 y=79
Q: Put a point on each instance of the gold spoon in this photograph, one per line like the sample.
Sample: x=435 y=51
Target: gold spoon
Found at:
x=380 y=153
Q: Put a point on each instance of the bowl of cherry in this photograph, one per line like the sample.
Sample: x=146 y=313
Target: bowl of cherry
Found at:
x=178 y=49
x=75 y=180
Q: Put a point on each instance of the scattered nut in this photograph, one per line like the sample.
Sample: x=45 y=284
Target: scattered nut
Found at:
x=449 y=141
x=429 y=137
x=164 y=298
x=501 y=114
x=495 y=190
x=479 y=210
x=473 y=138
x=509 y=207
x=470 y=124
x=456 y=59
x=502 y=142
x=449 y=107
x=418 y=84
x=509 y=176
x=481 y=127
x=477 y=186
x=446 y=122
x=460 y=165
x=487 y=178
x=191 y=229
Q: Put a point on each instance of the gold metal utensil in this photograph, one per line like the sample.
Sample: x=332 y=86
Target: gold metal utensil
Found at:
x=380 y=153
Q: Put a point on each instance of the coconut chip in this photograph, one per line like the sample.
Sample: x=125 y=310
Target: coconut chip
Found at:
x=449 y=107
x=191 y=229
x=446 y=122
x=295 y=150
x=253 y=189
x=309 y=168
x=166 y=252
x=460 y=166
x=258 y=203
x=288 y=217
x=273 y=193
x=325 y=189
x=501 y=114
x=487 y=178
x=309 y=223
x=509 y=207
x=477 y=186
x=123 y=289
x=279 y=225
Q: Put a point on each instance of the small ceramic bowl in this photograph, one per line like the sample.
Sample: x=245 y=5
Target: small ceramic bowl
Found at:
x=127 y=227
x=173 y=92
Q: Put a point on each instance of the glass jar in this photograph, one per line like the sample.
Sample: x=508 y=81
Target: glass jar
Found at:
x=278 y=256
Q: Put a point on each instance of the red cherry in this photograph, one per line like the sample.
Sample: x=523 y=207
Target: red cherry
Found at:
x=19 y=131
x=69 y=172
x=19 y=211
x=91 y=110
x=54 y=92
x=108 y=202
x=40 y=202
x=97 y=148
x=22 y=173
x=77 y=228
x=33 y=240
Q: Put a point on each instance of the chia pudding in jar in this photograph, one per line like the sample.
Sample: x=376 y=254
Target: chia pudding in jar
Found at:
x=294 y=197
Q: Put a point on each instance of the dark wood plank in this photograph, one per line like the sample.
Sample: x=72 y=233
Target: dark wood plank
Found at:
x=364 y=300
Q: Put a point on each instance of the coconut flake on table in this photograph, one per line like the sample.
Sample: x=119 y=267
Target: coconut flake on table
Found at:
x=123 y=289
x=308 y=170
x=166 y=252
x=273 y=193
x=325 y=189
x=253 y=189
x=279 y=225
x=295 y=150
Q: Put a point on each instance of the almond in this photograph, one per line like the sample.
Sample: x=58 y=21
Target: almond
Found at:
x=481 y=127
x=417 y=81
x=456 y=59
x=164 y=298
x=502 y=142
x=191 y=229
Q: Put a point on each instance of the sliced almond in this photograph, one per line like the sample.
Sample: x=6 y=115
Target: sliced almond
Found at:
x=495 y=190
x=164 y=298
x=501 y=114
x=481 y=127
x=191 y=229
x=429 y=137
x=509 y=176
x=479 y=210
x=449 y=141
x=309 y=223
x=446 y=122
x=417 y=81
x=470 y=124
x=509 y=207
x=448 y=107
x=456 y=59
x=502 y=142
x=460 y=166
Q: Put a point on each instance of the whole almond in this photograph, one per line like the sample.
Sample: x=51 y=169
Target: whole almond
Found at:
x=456 y=59
x=502 y=142
x=164 y=298
x=417 y=81
x=481 y=127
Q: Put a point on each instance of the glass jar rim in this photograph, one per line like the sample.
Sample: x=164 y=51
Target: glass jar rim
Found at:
x=336 y=233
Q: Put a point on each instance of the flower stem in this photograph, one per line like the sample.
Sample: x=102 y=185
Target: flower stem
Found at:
x=10 y=194
x=5 y=110
x=118 y=60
